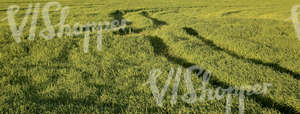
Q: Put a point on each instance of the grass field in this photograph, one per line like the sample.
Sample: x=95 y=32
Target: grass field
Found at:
x=242 y=42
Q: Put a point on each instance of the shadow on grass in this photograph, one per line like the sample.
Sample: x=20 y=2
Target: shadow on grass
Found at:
x=156 y=22
x=274 y=66
x=117 y=15
x=262 y=100
x=161 y=49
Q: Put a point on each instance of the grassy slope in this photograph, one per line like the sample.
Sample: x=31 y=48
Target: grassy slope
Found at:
x=240 y=41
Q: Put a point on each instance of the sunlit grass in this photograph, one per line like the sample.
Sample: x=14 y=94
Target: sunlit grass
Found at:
x=242 y=42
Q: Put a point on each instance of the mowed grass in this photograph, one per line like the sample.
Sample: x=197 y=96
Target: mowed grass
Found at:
x=242 y=42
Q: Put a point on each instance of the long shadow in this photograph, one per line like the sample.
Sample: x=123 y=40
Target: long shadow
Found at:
x=264 y=101
x=274 y=66
x=156 y=22
x=119 y=15
x=161 y=49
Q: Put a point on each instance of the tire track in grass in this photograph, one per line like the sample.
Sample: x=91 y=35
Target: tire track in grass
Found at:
x=65 y=52
x=156 y=23
x=264 y=101
x=31 y=91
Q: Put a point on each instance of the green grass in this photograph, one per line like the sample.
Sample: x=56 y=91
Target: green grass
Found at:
x=242 y=42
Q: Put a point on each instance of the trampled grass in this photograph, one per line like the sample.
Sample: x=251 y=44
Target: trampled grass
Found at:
x=241 y=42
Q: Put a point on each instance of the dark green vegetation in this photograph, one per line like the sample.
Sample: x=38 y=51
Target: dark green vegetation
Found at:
x=242 y=42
